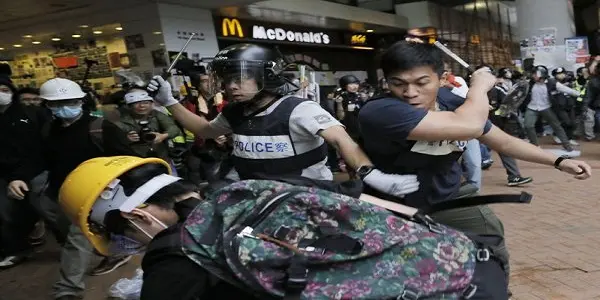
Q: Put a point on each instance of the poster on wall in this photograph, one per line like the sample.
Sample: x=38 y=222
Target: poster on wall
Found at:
x=135 y=41
x=544 y=40
x=577 y=49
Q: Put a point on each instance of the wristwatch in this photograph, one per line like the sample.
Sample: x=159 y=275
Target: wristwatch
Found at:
x=559 y=160
x=363 y=171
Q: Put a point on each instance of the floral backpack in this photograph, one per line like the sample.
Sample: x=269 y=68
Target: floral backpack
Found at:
x=284 y=241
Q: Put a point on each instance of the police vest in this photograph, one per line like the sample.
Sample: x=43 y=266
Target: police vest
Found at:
x=262 y=145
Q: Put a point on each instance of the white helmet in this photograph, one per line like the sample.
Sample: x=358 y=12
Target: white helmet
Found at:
x=137 y=96
x=60 y=89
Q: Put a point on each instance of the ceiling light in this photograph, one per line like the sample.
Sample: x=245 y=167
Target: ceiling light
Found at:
x=119 y=28
x=76 y=36
x=84 y=26
x=28 y=36
x=161 y=44
x=1 y=48
x=157 y=32
x=36 y=42
x=56 y=39
x=370 y=30
x=97 y=32
x=18 y=46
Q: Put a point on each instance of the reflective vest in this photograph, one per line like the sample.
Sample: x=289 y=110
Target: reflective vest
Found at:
x=262 y=145
x=581 y=89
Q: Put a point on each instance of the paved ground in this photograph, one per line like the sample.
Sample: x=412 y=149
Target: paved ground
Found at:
x=553 y=241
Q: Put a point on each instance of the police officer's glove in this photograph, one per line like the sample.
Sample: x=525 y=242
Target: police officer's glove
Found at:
x=162 y=88
x=392 y=184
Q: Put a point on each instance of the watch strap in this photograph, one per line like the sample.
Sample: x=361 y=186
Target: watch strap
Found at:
x=560 y=160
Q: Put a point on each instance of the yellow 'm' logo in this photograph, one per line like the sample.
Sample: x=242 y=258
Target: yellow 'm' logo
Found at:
x=232 y=27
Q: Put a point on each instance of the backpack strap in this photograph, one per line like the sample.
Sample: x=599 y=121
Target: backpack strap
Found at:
x=523 y=198
x=411 y=212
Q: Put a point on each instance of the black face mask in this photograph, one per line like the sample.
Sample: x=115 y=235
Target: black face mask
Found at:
x=184 y=207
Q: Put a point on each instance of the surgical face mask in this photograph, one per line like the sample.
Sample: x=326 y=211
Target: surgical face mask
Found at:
x=5 y=98
x=124 y=245
x=66 y=112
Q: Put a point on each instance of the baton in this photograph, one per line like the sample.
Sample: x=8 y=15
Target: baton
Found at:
x=453 y=55
x=167 y=73
x=180 y=52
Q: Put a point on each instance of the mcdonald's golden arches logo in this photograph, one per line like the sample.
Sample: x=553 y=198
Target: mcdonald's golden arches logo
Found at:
x=232 y=27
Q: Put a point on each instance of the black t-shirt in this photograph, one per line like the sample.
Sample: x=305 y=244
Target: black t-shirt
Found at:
x=385 y=125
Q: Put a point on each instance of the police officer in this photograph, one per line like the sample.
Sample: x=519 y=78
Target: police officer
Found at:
x=348 y=103
x=507 y=122
x=563 y=105
x=274 y=134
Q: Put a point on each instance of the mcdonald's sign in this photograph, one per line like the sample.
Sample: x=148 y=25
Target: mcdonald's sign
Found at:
x=232 y=27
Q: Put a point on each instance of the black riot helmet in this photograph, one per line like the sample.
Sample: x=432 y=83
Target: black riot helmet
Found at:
x=348 y=79
x=559 y=70
x=540 y=71
x=505 y=73
x=240 y=63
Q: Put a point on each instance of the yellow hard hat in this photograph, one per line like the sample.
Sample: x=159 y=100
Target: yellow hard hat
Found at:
x=84 y=185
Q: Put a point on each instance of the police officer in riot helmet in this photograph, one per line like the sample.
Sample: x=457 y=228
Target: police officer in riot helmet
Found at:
x=348 y=103
x=276 y=135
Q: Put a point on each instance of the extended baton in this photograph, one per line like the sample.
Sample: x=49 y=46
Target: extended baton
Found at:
x=453 y=55
x=167 y=73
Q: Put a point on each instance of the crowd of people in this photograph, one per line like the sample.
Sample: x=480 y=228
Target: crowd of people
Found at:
x=116 y=180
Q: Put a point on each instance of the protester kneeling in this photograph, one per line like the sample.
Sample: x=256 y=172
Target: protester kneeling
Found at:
x=261 y=239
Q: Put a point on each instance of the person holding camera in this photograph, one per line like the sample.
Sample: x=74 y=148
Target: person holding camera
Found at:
x=140 y=130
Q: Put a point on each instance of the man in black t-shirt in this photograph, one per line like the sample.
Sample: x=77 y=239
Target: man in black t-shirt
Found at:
x=412 y=131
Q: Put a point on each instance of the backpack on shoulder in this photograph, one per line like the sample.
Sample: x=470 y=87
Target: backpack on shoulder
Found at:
x=284 y=241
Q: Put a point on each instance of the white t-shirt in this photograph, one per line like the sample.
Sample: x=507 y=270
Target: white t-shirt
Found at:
x=306 y=121
x=463 y=89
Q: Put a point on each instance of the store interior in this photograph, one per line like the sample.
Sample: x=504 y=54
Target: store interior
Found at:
x=87 y=53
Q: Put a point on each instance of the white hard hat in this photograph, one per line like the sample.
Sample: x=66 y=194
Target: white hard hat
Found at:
x=60 y=89
x=137 y=96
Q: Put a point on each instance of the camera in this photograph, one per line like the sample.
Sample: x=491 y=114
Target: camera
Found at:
x=145 y=132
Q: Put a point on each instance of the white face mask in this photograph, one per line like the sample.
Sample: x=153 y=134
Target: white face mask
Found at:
x=5 y=98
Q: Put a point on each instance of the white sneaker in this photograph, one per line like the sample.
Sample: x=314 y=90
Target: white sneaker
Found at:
x=573 y=143
x=557 y=140
x=561 y=152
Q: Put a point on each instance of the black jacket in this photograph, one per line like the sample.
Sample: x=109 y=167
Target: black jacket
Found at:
x=66 y=148
x=21 y=137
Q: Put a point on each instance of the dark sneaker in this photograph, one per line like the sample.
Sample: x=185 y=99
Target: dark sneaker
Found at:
x=517 y=181
x=486 y=164
x=109 y=264
x=11 y=261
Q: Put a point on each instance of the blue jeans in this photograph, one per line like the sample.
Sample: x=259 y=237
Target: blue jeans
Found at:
x=471 y=163
x=485 y=152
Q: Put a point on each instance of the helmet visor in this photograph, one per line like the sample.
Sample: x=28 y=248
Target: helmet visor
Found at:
x=239 y=79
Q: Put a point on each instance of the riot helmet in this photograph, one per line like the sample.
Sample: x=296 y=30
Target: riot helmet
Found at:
x=558 y=71
x=247 y=70
x=540 y=72
x=505 y=73
x=348 y=79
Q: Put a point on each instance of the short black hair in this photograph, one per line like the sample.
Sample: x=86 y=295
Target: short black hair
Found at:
x=28 y=90
x=404 y=56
